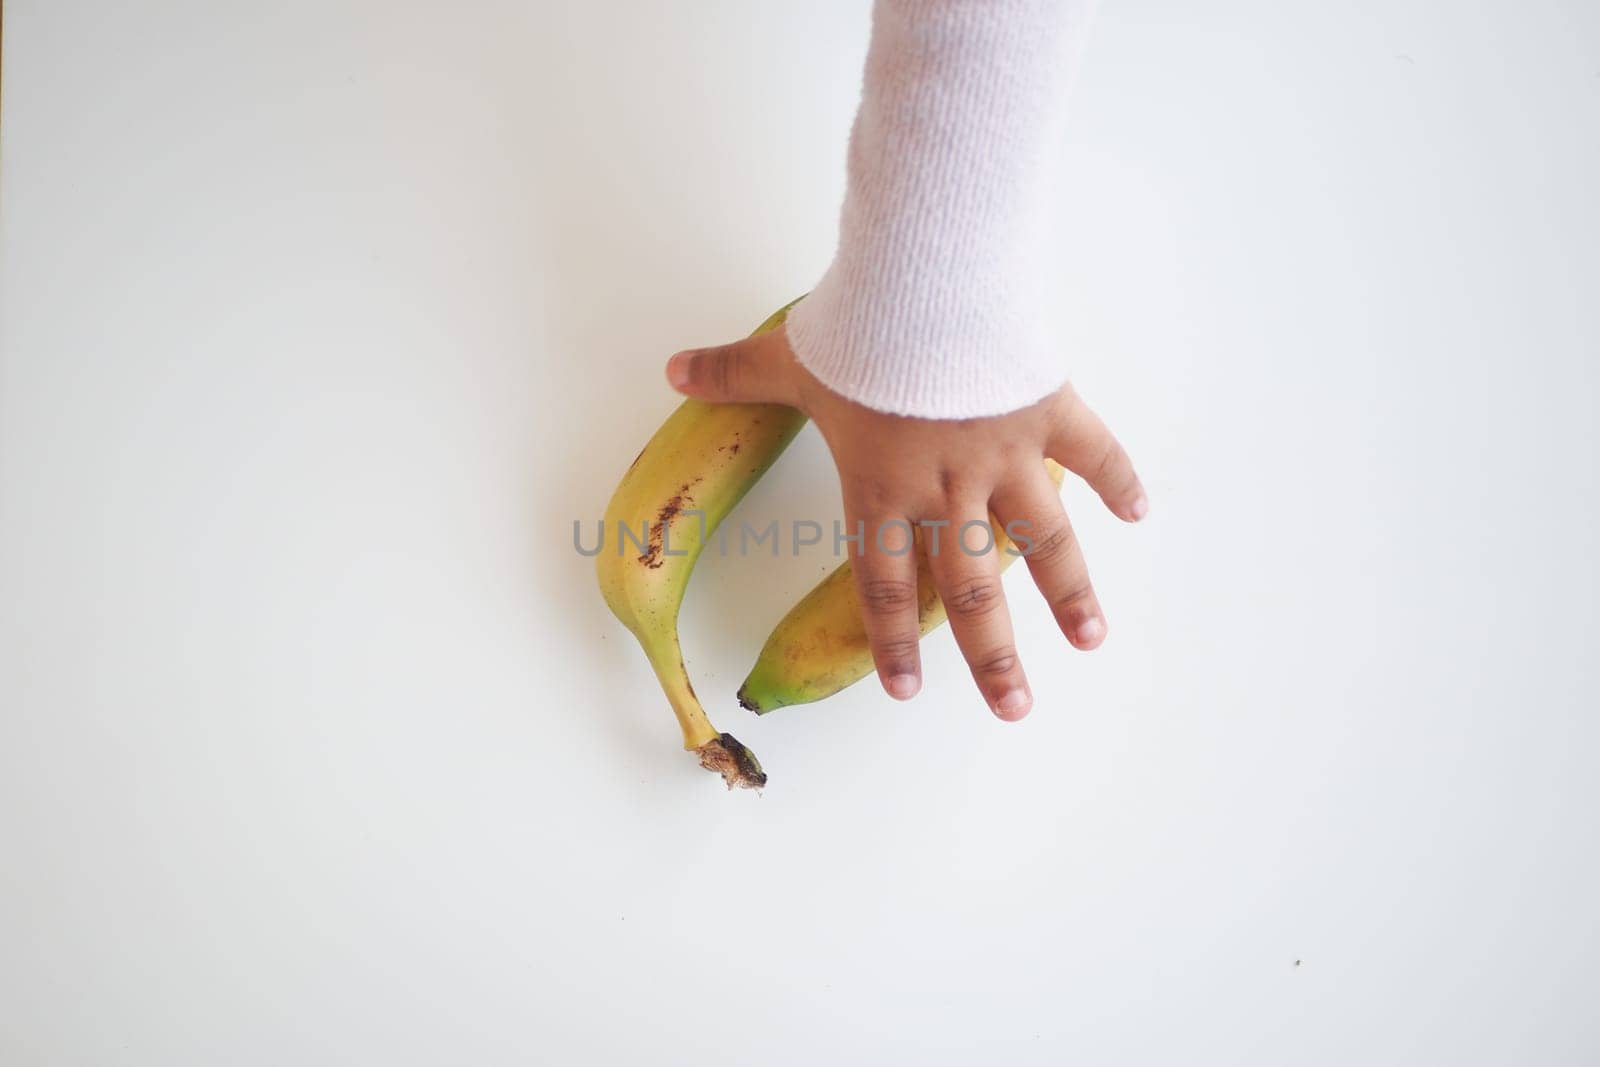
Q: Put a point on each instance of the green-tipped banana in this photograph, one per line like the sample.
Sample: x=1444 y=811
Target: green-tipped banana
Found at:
x=699 y=464
x=820 y=647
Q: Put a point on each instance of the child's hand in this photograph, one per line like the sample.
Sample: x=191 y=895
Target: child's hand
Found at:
x=897 y=471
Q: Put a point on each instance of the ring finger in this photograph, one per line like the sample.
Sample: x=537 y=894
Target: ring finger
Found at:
x=1032 y=507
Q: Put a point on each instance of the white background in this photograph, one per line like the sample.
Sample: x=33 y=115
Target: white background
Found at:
x=321 y=322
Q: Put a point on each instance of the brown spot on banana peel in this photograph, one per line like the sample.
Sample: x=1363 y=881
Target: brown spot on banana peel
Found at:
x=652 y=555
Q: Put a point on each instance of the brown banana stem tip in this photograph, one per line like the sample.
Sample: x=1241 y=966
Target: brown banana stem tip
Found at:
x=737 y=764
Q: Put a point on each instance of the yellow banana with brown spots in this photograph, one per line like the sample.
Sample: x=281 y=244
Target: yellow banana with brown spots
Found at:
x=699 y=464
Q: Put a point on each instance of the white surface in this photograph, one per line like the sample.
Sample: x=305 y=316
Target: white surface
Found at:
x=319 y=323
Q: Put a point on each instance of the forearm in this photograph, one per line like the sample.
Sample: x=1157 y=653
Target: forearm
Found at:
x=931 y=306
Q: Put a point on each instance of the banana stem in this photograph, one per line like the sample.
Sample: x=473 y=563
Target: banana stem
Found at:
x=667 y=660
x=719 y=752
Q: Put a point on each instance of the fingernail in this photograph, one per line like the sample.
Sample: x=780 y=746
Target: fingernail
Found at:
x=1014 y=704
x=1139 y=507
x=1090 y=631
x=904 y=686
x=678 y=370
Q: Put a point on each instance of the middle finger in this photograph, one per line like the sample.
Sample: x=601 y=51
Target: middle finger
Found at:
x=966 y=572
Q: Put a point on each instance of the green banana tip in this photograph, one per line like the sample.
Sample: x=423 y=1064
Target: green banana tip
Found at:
x=750 y=702
x=738 y=766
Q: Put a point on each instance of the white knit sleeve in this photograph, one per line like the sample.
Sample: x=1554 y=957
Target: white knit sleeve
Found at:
x=932 y=304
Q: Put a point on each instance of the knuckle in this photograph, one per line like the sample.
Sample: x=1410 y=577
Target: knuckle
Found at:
x=1114 y=472
x=713 y=370
x=1053 y=544
x=975 y=598
x=725 y=371
x=1107 y=462
x=871 y=491
x=995 y=663
x=896 y=651
x=961 y=483
x=884 y=595
x=1074 y=598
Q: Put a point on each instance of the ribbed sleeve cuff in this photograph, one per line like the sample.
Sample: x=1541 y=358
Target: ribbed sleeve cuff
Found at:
x=932 y=305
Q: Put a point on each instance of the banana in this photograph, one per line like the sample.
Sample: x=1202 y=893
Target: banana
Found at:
x=699 y=464
x=820 y=647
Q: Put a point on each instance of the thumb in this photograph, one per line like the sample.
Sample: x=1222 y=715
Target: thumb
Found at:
x=754 y=370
